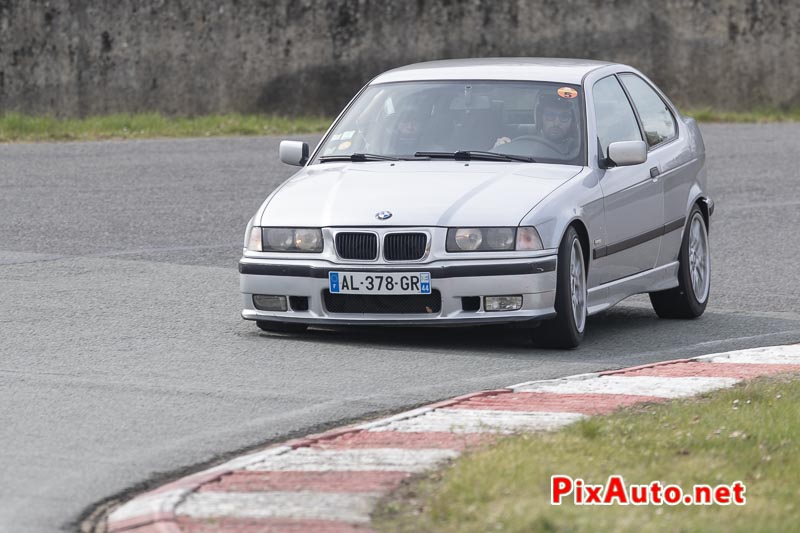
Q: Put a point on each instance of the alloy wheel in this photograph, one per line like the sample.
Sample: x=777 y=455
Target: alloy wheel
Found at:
x=699 y=258
x=577 y=279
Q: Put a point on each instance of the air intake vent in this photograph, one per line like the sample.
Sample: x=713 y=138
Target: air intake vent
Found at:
x=469 y=303
x=359 y=246
x=398 y=304
x=404 y=246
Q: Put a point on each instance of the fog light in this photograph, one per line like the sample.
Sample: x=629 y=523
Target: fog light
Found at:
x=502 y=303
x=266 y=302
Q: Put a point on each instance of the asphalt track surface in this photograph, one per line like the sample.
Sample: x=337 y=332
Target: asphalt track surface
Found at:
x=123 y=358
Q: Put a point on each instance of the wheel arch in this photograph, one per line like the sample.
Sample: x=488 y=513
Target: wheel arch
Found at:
x=706 y=206
x=699 y=196
x=583 y=236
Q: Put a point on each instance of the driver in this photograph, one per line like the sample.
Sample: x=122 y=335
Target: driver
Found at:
x=556 y=123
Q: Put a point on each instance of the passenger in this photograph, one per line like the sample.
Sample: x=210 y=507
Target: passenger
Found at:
x=408 y=129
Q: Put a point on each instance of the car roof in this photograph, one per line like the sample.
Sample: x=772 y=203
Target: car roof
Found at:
x=551 y=69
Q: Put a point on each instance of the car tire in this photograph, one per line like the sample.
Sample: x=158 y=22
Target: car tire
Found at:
x=281 y=327
x=565 y=331
x=690 y=297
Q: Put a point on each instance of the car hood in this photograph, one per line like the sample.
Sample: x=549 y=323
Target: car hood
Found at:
x=417 y=193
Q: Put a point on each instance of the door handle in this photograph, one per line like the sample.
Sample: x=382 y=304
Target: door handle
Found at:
x=654 y=173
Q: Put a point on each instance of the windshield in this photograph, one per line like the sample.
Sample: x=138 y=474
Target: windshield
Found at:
x=535 y=120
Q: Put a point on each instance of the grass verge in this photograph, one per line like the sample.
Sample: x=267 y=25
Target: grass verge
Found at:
x=748 y=433
x=765 y=115
x=15 y=127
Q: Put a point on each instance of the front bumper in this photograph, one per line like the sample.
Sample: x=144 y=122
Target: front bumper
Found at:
x=533 y=278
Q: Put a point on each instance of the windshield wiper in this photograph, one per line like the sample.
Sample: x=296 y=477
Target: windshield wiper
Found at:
x=357 y=158
x=467 y=155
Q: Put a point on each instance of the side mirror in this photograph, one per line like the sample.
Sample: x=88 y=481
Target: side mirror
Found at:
x=294 y=153
x=626 y=153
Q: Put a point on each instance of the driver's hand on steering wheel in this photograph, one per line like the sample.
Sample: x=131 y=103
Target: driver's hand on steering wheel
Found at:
x=501 y=140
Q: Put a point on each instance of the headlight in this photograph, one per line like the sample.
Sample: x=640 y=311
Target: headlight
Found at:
x=468 y=238
x=278 y=239
x=493 y=239
x=308 y=240
x=285 y=240
x=500 y=238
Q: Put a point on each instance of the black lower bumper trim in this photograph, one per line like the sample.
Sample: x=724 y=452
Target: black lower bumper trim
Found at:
x=437 y=272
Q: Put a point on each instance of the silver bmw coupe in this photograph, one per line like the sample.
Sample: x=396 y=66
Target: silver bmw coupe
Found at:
x=528 y=191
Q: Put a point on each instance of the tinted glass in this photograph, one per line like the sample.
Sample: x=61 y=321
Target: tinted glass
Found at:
x=659 y=125
x=615 y=118
x=540 y=120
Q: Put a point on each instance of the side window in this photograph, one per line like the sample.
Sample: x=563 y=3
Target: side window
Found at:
x=657 y=120
x=615 y=118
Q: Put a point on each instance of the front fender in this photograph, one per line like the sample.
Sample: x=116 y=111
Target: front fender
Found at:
x=579 y=199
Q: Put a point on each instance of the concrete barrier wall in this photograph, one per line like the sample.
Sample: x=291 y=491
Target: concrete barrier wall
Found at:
x=82 y=57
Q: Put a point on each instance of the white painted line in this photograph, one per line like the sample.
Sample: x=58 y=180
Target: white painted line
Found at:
x=148 y=504
x=399 y=416
x=481 y=421
x=239 y=463
x=663 y=387
x=771 y=355
x=344 y=506
x=589 y=375
x=386 y=459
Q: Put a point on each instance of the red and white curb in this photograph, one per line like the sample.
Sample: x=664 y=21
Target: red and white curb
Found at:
x=331 y=482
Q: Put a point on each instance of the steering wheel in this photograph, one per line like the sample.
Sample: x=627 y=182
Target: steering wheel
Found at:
x=539 y=140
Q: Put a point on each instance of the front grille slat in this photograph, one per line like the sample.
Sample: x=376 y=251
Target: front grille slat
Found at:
x=357 y=245
x=383 y=304
x=404 y=246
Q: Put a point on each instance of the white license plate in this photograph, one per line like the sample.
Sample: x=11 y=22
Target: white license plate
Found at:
x=379 y=283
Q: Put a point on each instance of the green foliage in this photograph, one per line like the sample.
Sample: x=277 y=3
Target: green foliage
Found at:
x=749 y=433
x=15 y=127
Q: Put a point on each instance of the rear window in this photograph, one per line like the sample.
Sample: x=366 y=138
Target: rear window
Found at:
x=657 y=120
